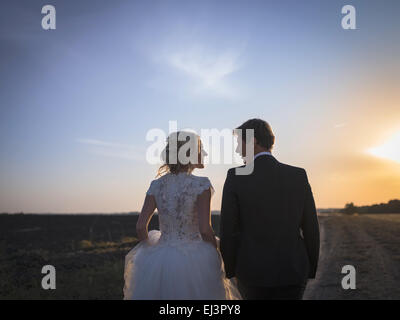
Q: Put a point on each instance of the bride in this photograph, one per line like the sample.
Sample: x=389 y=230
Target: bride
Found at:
x=182 y=260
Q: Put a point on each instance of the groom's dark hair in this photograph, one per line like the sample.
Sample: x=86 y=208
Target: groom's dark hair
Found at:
x=262 y=132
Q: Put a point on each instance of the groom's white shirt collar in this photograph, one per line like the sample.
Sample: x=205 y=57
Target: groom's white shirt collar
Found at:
x=262 y=153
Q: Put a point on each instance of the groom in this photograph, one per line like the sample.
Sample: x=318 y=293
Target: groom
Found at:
x=269 y=234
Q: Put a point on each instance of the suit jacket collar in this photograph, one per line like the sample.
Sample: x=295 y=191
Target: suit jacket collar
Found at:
x=267 y=153
x=265 y=157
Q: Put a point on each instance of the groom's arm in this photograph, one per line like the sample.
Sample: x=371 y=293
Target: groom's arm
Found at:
x=310 y=229
x=229 y=225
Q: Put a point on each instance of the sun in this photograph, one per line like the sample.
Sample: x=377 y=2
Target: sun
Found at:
x=389 y=150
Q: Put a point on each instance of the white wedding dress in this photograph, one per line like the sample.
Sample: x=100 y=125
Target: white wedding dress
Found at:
x=175 y=263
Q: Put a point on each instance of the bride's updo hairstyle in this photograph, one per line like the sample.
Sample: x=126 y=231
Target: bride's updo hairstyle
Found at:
x=181 y=153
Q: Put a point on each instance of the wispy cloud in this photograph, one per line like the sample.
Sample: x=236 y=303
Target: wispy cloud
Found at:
x=340 y=125
x=111 y=149
x=209 y=71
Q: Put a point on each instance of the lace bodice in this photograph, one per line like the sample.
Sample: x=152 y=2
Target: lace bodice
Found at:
x=176 y=196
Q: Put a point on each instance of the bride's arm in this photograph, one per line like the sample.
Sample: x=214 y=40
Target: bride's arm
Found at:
x=204 y=215
x=144 y=218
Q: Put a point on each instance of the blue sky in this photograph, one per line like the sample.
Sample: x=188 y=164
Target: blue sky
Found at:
x=77 y=102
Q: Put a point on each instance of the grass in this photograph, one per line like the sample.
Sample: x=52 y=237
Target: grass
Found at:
x=88 y=252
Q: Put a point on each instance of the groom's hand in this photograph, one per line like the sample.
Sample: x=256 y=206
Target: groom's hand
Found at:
x=234 y=281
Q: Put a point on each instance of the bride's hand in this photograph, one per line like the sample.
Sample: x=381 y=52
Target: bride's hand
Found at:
x=217 y=241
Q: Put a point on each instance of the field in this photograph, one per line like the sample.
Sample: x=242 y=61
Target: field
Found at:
x=88 y=252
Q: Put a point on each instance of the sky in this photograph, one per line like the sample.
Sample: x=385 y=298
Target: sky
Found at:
x=77 y=102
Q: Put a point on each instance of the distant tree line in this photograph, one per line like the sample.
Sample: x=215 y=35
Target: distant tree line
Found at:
x=393 y=206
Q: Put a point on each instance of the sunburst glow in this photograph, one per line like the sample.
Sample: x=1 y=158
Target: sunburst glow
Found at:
x=389 y=150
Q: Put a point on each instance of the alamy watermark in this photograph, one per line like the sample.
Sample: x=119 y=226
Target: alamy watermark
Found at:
x=49 y=20
x=348 y=21
x=349 y=280
x=49 y=280
x=192 y=145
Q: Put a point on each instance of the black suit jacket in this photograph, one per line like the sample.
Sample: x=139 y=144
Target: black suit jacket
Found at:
x=269 y=233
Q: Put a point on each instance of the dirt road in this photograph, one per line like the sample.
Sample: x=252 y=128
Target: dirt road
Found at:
x=371 y=243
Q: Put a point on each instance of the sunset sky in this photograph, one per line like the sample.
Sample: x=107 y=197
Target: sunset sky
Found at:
x=76 y=102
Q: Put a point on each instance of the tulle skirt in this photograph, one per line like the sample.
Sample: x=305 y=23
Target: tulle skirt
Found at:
x=179 y=270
